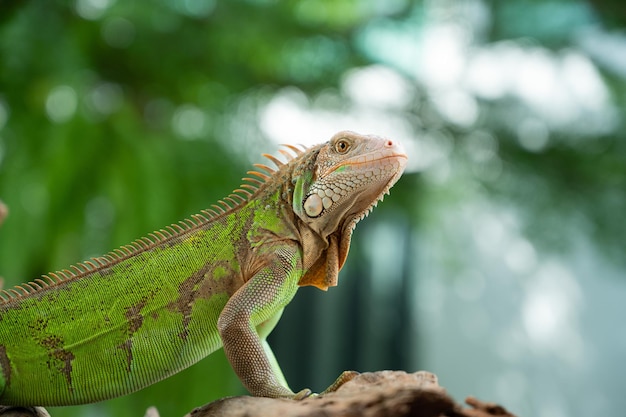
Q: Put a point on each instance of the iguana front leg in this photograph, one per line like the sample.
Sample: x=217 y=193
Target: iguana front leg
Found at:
x=259 y=302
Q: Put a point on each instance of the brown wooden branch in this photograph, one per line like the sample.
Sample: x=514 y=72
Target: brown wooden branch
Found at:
x=377 y=394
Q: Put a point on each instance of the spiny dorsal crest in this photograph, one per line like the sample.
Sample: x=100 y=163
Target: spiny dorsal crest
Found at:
x=240 y=196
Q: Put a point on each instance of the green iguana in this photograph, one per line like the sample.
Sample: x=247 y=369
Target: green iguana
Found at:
x=114 y=324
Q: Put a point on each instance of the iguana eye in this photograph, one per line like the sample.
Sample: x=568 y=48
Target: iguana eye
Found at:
x=342 y=146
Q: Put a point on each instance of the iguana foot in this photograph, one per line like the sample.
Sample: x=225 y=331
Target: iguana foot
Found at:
x=305 y=393
x=343 y=378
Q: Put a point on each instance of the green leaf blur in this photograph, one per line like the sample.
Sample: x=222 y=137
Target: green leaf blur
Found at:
x=497 y=261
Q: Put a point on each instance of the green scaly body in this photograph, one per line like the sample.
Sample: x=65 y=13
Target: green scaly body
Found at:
x=121 y=322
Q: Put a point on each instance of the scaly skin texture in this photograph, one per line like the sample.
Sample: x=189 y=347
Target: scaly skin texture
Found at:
x=115 y=324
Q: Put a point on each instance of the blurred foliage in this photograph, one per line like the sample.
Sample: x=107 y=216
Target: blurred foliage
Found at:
x=115 y=120
x=119 y=117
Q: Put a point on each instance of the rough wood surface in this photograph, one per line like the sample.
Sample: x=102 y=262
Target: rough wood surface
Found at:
x=377 y=394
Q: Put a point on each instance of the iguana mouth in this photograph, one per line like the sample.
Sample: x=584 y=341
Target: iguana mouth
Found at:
x=354 y=218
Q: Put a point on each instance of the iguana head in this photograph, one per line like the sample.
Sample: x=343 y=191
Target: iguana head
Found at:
x=345 y=179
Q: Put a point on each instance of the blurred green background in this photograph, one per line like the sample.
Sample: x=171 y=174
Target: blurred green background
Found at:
x=498 y=260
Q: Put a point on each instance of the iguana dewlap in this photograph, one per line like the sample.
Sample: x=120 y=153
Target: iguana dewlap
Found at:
x=115 y=324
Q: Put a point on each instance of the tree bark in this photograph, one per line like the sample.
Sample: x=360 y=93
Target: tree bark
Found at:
x=377 y=394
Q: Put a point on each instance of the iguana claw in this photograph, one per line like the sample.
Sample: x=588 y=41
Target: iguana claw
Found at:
x=343 y=378
x=305 y=393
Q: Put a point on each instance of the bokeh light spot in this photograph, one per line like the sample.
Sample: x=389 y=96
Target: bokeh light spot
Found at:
x=105 y=98
x=61 y=104
x=193 y=8
x=533 y=134
x=377 y=85
x=189 y=122
x=92 y=9
x=118 y=32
